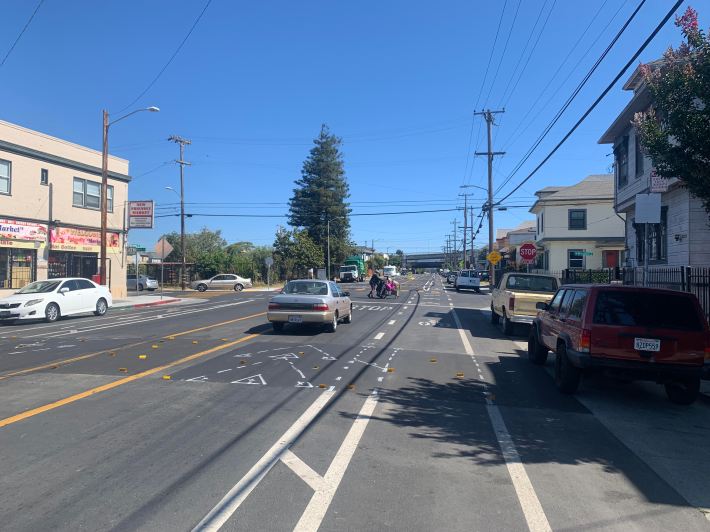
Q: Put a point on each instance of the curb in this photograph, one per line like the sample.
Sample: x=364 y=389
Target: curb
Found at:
x=144 y=305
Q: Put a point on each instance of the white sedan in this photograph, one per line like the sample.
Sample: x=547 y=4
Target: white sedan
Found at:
x=54 y=298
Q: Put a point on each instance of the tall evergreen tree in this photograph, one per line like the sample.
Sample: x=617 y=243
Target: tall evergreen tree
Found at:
x=321 y=194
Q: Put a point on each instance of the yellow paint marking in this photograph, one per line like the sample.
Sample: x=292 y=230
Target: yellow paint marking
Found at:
x=115 y=384
x=172 y=336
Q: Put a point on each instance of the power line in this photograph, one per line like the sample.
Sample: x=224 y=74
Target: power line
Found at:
x=571 y=98
x=502 y=55
x=24 y=29
x=230 y=215
x=177 y=51
x=599 y=99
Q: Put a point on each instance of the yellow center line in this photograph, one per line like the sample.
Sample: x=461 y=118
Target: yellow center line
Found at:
x=115 y=384
x=214 y=325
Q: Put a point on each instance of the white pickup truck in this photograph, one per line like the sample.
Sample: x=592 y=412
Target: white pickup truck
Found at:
x=515 y=296
x=468 y=280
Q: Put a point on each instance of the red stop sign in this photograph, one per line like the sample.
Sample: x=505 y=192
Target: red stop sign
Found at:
x=528 y=252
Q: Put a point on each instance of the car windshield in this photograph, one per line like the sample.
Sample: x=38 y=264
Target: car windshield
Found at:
x=348 y=268
x=657 y=310
x=309 y=288
x=531 y=283
x=40 y=287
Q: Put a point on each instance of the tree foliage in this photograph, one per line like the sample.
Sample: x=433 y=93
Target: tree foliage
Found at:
x=295 y=253
x=675 y=132
x=321 y=194
x=196 y=244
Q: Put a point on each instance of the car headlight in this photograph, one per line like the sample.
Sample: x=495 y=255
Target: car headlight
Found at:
x=33 y=302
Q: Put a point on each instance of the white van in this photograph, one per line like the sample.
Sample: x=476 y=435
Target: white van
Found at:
x=468 y=280
x=390 y=271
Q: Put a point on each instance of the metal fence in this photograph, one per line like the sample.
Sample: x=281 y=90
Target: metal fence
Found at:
x=693 y=279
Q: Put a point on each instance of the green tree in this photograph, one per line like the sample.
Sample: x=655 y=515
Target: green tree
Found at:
x=376 y=262
x=295 y=253
x=321 y=194
x=196 y=244
x=675 y=132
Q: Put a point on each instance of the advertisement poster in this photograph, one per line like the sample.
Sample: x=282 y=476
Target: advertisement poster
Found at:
x=14 y=233
x=70 y=239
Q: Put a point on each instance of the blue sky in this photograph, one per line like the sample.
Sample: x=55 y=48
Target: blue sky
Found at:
x=398 y=80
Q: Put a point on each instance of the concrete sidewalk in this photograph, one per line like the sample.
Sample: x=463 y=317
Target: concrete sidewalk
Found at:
x=151 y=301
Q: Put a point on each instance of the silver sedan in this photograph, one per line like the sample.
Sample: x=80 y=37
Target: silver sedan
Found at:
x=223 y=281
x=310 y=301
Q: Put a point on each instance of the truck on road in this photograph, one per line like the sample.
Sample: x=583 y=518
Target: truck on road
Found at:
x=352 y=270
x=515 y=296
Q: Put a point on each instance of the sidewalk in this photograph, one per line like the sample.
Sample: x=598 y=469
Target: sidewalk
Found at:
x=150 y=301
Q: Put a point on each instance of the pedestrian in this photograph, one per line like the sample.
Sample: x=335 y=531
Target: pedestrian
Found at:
x=374 y=281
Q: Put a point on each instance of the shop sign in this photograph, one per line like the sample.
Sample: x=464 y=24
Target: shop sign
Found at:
x=17 y=234
x=658 y=183
x=140 y=214
x=70 y=239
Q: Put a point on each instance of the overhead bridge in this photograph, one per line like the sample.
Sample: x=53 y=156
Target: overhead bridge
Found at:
x=425 y=260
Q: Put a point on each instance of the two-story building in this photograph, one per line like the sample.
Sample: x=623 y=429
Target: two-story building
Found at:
x=577 y=227
x=50 y=217
x=683 y=236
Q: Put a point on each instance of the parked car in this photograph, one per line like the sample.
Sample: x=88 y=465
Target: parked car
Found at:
x=468 y=280
x=635 y=333
x=451 y=278
x=308 y=301
x=54 y=298
x=515 y=296
x=223 y=281
x=143 y=282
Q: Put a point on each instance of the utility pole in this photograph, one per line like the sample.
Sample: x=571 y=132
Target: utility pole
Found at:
x=465 y=224
x=182 y=142
x=488 y=116
x=473 y=237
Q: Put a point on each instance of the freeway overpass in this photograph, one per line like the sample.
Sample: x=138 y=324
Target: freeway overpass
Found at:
x=425 y=260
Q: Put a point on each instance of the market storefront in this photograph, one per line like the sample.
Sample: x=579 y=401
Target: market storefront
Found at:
x=19 y=243
x=75 y=252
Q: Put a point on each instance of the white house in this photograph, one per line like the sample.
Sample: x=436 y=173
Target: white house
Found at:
x=683 y=236
x=577 y=227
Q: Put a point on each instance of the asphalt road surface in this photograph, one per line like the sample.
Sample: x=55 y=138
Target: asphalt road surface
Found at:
x=419 y=415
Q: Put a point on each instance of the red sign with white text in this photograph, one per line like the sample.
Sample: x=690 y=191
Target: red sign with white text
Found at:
x=527 y=252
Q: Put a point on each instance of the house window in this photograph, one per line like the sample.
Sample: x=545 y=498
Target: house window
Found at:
x=87 y=194
x=44 y=177
x=577 y=219
x=621 y=154
x=658 y=237
x=575 y=259
x=638 y=156
x=5 y=176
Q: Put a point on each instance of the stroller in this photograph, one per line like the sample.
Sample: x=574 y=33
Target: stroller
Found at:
x=386 y=288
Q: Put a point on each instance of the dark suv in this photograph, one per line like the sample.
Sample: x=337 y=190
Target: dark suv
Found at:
x=635 y=333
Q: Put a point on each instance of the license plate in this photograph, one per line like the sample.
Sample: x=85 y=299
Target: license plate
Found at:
x=295 y=319
x=647 y=344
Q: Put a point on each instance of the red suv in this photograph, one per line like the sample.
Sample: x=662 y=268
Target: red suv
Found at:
x=636 y=333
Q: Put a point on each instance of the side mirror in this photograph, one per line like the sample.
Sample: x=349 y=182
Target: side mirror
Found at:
x=346 y=294
x=541 y=306
x=63 y=290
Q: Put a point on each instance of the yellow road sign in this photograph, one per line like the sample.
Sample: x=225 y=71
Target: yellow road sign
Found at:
x=494 y=257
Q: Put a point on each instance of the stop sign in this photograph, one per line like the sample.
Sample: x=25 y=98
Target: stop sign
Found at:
x=527 y=252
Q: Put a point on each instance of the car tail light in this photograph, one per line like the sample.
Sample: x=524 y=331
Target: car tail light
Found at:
x=585 y=341
x=320 y=306
x=511 y=303
x=274 y=306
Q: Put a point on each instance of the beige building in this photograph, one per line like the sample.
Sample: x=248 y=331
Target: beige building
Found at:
x=50 y=218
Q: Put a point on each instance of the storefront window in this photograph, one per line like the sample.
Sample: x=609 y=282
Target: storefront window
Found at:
x=69 y=264
x=18 y=267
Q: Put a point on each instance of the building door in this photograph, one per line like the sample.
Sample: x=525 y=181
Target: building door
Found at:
x=611 y=258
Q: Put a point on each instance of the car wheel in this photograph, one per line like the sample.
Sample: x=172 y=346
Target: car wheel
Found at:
x=537 y=353
x=333 y=325
x=683 y=392
x=349 y=317
x=51 y=313
x=277 y=325
x=508 y=326
x=494 y=316
x=567 y=377
x=101 y=307
x=140 y=287
x=201 y=287
x=477 y=290
x=238 y=287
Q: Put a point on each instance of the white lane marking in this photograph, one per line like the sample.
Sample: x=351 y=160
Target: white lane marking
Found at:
x=318 y=506
x=391 y=322
x=379 y=379
x=532 y=509
x=399 y=313
x=348 y=367
x=224 y=370
x=379 y=336
x=405 y=308
x=302 y=469
x=16 y=353
x=338 y=378
x=233 y=499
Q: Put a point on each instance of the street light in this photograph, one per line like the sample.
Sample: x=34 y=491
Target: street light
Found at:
x=104 y=183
